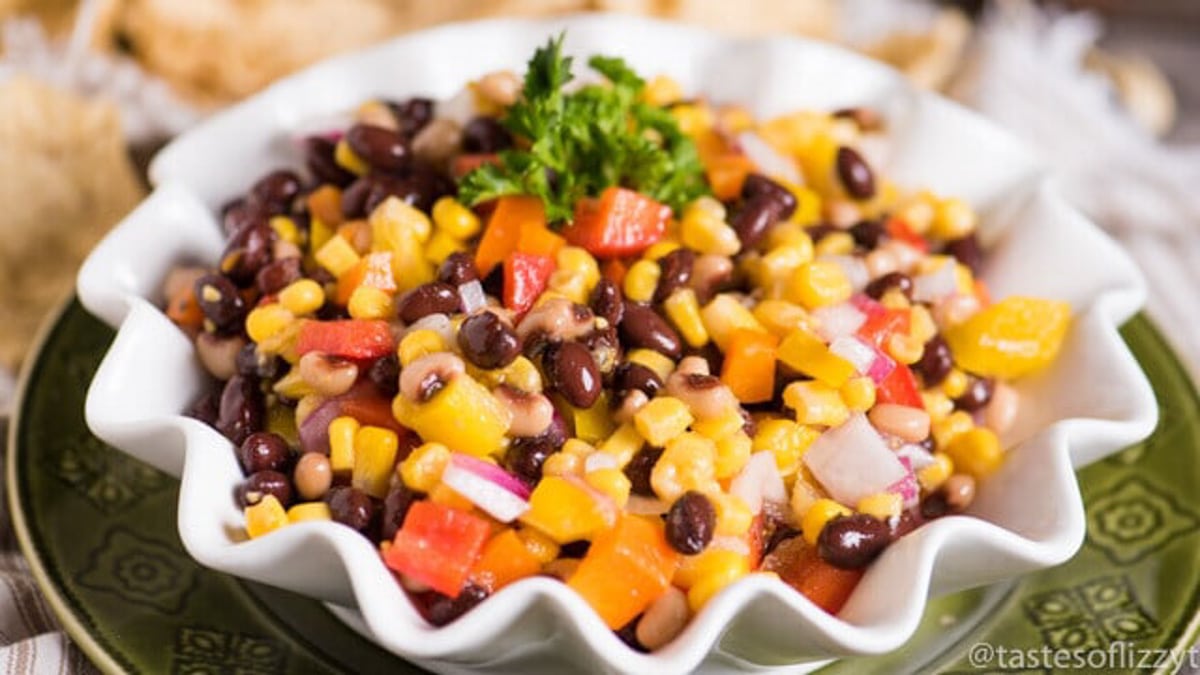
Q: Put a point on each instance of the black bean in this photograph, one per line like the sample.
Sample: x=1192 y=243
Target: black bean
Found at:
x=350 y=507
x=434 y=297
x=443 y=609
x=458 y=269
x=749 y=426
x=263 y=483
x=220 y=302
x=571 y=371
x=966 y=250
x=276 y=190
x=276 y=275
x=899 y=280
x=978 y=393
x=754 y=219
x=690 y=523
x=318 y=157
x=354 y=197
x=382 y=148
x=628 y=635
x=420 y=187
x=639 y=468
x=855 y=174
x=252 y=363
x=935 y=506
x=630 y=376
x=852 y=542
x=675 y=271
x=412 y=115
x=643 y=328
x=526 y=456
x=820 y=231
x=606 y=302
x=241 y=411
x=927 y=443
x=487 y=341
x=237 y=215
x=757 y=184
x=248 y=251
x=484 y=135
x=868 y=233
x=206 y=408
x=384 y=373
x=264 y=451
x=936 y=361
x=395 y=508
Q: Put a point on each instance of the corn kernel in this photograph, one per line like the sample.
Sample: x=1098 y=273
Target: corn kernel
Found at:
x=447 y=496
x=931 y=477
x=693 y=118
x=660 y=364
x=612 y=482
x=374 y=458
x=917 y=212
x=641 y=280
x=562 y=464
x=787 y=440
x=955 y=384
x=705 y=564
x=819 y=283
x=293 y=386
x=660 y=249
x=835 y=243
x=945 y=430
x=921 y=325
x=806 y=353
x=394 y=216
x=808 y=206
x=521 y=374
x=816 y=403
x=684 y=312
x=418 y=343
x=734 y=516
x=882 y=505
x=577 y=447
x=568 y=510
x=577 y=261
x=781 y=317
x=937 y=404
x=859 y=394
x=818 y=515
x=337 y=256
x=777 y=266
x=542 y=547
x=723 y=315
x=904 y=348
x=341 y=443
x=302 y=297
x=623 y=444
x=267 y=321
x=286 y=229
x=661 y=91
x=319 y=233
x=264 y=517
x=953 y=219
x=734 y=567
x=349 y=160
x=687 y=463
x=593 y=424
x=567 y=285
x=976 y=452
x=733 y=451
x=309 y=511
x=367 y=302
x=422 y=469
x=662 y=419
x=720 y=426
x=703 y=230
x=455 y=219
x=442 y=246
x=735 y=119
x=895 y=299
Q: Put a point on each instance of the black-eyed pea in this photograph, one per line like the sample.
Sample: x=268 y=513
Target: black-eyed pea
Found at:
x=531 y=413
x=501 y=87
x=1001 y=411
x=423 y=378
x=327 y=375
x=219 y=354
x=633 y=402
x=313 y=475
x=664 y=619
x=906 y=422
x=437 y=141
x=959 y=491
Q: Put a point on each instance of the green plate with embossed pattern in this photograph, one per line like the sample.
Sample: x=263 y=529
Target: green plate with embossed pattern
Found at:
x=99 y=531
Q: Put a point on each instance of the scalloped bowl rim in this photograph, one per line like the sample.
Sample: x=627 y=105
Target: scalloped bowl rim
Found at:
x=740 y=627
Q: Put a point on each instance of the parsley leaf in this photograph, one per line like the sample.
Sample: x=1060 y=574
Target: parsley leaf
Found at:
x=574 y=145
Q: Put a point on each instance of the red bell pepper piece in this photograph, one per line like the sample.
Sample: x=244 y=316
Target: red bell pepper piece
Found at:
x=899 y=230
x=466 y=163
x=357 y=339
x=525 y=277
x=882 y=322
x=899 y=387
x=828 y=587
x=438 y=546
x=620 y=222
x=503 y=231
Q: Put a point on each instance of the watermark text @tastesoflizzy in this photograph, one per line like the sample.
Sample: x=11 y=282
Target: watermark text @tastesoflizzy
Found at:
x=1117 y=655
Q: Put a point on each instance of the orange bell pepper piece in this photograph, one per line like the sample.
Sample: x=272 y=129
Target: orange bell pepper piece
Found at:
x=503 y=231
x=505 y=559
x=374 y=271
x=184 y=309
x=537 y=239
x=749 y=368
x=726 y=173
x=614 y=270
x=626 y=569
x=326 y=204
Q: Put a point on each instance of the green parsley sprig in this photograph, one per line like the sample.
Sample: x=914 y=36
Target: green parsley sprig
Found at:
x=582 y=142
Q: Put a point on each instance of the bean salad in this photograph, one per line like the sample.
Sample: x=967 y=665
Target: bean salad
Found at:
x=642 y=343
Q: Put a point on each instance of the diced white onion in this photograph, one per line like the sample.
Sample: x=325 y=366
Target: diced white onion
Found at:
x=853 y=267
x=768 y=161
x=852 y=461
x=497 y=501
x=759 y=482
x=472 y=296
x=935 y=285
x=838 y=320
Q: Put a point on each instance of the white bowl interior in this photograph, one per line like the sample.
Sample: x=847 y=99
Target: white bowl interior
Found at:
x=1093 y=401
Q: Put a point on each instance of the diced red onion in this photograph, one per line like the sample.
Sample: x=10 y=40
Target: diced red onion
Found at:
x=472 y=296
x=853 y=267
x=852 y=461
x=767 y=160
x=838 y=320
x=907 y=487
x=314 y=430
x=941 y=283
x=867 y=305
x=489 y=487
x=867 y=358
x=917 y=456
x=759 y=482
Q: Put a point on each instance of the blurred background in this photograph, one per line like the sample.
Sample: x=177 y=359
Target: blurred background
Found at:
x=1109 y=89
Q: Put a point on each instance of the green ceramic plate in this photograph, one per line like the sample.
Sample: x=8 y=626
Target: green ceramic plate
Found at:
x=99 y=530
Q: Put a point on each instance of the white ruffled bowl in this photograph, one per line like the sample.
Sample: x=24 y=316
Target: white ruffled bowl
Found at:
x=1092 y=402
